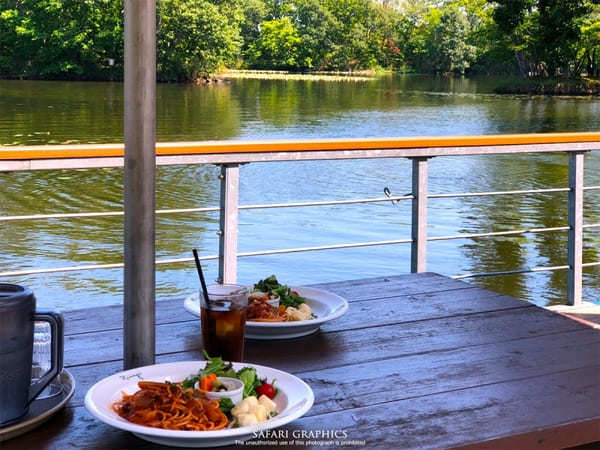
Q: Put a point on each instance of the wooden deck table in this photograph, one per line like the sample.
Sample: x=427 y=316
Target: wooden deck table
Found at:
x=419 y=361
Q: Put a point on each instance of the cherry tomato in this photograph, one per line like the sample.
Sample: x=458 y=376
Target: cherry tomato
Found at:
x=266 y=389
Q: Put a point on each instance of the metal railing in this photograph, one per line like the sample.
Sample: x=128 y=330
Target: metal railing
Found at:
x=230 y=154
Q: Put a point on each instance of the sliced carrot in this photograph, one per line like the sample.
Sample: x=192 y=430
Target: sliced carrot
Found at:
x=206 y=383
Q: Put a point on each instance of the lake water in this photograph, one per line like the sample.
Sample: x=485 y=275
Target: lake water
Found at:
x=34 y=112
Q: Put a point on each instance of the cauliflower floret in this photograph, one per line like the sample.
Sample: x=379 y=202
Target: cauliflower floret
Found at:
x=292 y=313
x=303 y=312
x=241 y=408
x=246 y=419
x=261 y=414
x=269 y=404
x=304 y=308
x=251 y=401
x=251 y=411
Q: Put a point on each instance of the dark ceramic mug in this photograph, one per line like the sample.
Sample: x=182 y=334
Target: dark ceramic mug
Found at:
x=17 y=317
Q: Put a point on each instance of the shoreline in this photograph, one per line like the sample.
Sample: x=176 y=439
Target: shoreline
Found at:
x=568 y=87
x=359 y=75
x=576 y=87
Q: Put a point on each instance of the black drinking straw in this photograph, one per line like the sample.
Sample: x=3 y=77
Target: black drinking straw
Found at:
x=201 y=275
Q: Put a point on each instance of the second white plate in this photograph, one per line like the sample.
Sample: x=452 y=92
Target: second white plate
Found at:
x=325 y=305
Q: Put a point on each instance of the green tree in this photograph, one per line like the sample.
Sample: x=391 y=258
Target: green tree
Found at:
x=254 y=12
x=60 y=38
x=416 y=28
x=441 y=39
x=314 y=23
x=493 y=51
x=453 y=50
x=245 y=16
x=362 y=34
x=12 y=63
x=558 y=33
x=277 y=47
x=588 y=52
x=543 y=33
x=194 y=39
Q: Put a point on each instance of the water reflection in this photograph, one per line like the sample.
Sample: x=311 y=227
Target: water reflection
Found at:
x=527 y=211
x=45 y=112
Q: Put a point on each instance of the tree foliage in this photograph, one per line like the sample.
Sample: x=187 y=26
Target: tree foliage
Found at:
x=194 y=39
x=60 y=38
x=588 y=48
x=277 y=46
x=83 y=39
x=544 y=34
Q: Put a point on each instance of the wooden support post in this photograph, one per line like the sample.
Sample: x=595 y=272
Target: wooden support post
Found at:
x=418 y=260
x=575 y=243
x=139 y=183
x=230 y=188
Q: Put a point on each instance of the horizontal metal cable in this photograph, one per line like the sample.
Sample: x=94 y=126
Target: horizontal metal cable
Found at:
x=101 y=214
x=592 y=225
x=484 y=194
x=326 y=247
x=496 y=233
x=208 y=209
x=325 y=203
x=209 y=257
x=286 y=205
x=95 y=267
x=509 y=272
x=513 y=272
x=591 y=188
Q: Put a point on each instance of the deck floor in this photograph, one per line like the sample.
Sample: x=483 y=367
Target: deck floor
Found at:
x=587 y=313
x=419 y=361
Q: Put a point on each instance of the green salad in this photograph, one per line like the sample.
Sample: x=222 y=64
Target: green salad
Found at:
x=287 y=297
x=220 y=368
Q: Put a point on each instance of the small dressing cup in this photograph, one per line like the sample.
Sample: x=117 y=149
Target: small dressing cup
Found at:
x=235 y=390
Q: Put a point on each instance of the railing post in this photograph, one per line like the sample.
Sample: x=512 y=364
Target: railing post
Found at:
x=139 y=184
x=418 y=260
x=228 y=231
x=575 y=243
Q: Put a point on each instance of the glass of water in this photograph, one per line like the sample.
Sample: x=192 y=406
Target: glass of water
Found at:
x=42 y=348
x=41 y=363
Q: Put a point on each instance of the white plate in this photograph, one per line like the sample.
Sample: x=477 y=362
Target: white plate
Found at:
x=325 y=305
x=293 y=400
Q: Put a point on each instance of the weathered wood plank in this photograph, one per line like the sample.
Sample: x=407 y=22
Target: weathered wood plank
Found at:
x=561 y=436
x=410 y=308
x=171 y=310
x=414 y=375
x=104 y=318
x=333 y=347
x=394 y=286
x=418 y=361
x=537 y=406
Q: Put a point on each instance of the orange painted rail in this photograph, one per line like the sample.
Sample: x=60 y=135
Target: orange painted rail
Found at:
x=232 y=147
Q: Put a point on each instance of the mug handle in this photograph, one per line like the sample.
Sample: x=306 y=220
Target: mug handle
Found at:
x=57 y=332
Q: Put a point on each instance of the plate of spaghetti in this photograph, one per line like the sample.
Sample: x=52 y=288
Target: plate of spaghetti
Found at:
x=265 y=321
x=151 y=403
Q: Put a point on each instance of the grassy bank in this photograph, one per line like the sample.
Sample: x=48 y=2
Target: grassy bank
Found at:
x=551 y=86
x=284 y=75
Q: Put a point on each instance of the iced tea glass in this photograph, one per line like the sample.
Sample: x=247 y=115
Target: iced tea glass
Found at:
x=223 y=320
